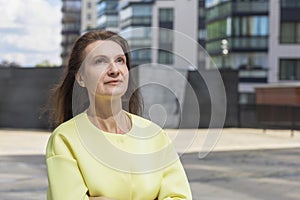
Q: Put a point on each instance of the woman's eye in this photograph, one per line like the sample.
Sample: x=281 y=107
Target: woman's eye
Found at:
x=120 y=61
x=99 y=61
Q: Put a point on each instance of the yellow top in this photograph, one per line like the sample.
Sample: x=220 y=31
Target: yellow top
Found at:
x=142 y=164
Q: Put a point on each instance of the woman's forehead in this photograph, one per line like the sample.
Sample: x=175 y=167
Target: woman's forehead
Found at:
x=104 y=47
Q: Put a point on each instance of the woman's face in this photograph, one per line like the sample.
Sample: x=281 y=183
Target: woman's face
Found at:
x=104 y=72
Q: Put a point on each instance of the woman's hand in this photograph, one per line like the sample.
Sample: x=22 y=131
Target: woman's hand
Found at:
x=100 y=198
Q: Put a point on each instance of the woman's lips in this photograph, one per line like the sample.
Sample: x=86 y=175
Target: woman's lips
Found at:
x=113 y=82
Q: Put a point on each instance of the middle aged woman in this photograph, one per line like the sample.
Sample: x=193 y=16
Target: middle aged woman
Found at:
x=105 y=152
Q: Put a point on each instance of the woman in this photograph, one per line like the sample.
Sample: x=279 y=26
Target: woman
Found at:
x=105 y=152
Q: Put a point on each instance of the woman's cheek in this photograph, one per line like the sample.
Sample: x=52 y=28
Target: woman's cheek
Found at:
x=94 y=80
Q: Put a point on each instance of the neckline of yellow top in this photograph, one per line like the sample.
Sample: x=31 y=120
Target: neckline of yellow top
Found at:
x=110 y=133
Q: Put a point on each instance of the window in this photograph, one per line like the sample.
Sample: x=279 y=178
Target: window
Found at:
x=202 y=34
x=142 y=10
x=166 y=40
x=251 y=6
x=201 y=12
x=290 y=32
x=224 y=9
x=289 y=69
x=247 y=98
x=165 y=57
x=89 y=5
x=290 y=3
x=251 y=26
x=217 y=29
x=166 y=15
x=89 y=16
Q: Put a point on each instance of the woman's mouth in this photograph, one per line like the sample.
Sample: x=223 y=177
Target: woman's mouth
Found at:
x=113 y=82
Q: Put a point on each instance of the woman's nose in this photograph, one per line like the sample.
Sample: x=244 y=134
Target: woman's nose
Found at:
x=113 y=70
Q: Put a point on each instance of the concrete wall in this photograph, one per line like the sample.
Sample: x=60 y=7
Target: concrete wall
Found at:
x=168 y=100
x=204 y=95
x=24 y=93
x=163 y=91
x=182 y=99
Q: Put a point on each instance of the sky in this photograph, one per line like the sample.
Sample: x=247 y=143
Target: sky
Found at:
x=30 y=31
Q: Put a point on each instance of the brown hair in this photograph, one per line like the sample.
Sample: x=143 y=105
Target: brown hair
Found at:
x=62 y=97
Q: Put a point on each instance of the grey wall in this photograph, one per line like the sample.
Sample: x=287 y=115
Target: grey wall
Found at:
x=199 y=87
x=24 y=93
x=182 y=99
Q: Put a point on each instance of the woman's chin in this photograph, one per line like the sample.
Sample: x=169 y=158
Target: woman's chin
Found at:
x=110 y=94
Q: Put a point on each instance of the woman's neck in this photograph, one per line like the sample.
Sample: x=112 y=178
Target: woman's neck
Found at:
x=108 y=116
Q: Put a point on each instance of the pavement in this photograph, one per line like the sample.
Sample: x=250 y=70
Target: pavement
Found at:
x=230 y=163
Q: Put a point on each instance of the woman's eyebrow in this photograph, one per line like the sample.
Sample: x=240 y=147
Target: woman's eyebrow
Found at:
x=100 y=55
x=105 y=56
x=122 y=55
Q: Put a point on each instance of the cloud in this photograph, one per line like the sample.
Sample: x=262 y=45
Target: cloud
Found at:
x=30 y=31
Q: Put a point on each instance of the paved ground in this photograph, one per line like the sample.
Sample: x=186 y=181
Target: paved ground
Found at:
x=245 y=164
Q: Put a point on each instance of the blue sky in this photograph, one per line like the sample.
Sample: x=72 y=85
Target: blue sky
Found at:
x=30 y=31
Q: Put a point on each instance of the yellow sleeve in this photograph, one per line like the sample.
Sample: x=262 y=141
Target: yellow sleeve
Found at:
x=64 y=177
x=174 y=184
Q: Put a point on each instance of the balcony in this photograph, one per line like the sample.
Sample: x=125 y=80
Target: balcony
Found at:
x=253 y=75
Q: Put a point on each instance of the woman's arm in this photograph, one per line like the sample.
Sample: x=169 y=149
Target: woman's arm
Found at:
x=175 y=184
x=65 y=180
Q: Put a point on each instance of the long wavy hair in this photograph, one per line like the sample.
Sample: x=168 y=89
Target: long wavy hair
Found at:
x=62 y=98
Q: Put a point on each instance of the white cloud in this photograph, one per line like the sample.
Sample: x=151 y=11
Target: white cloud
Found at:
x=30 y=31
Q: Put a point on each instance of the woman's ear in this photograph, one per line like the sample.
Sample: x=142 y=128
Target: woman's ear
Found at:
x=79 y=78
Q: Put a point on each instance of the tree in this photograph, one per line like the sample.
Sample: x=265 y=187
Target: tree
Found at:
x=6 y=63
x=45 y=63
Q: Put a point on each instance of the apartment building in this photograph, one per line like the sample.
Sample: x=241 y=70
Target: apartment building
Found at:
x=89 y=15
x=71 y=24
x=237 y=38
x=160 y=32
x=284 y=42
x=108 y=15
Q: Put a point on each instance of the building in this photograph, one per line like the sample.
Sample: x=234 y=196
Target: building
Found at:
x=164 y=37
x=237 y=38
x=89 y=15
x=149 y=26
x=108 y=15
x=71 y=20
x=284 y=57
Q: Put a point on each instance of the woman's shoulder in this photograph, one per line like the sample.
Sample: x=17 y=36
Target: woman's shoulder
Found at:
x=66 y=131
x=62 y=136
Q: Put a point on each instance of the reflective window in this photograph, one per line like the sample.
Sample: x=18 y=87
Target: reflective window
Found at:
x=251 y=6
x=165 y=57
x=218 y=11
x=202 y=34
x=251 y=26
x=218 y=29
x=290 y=3
x=210 y=3
x=290 y=32
x=289 y=69
x=141 y=32
x=142 y=10
x=125 y=13
x=166 y=15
